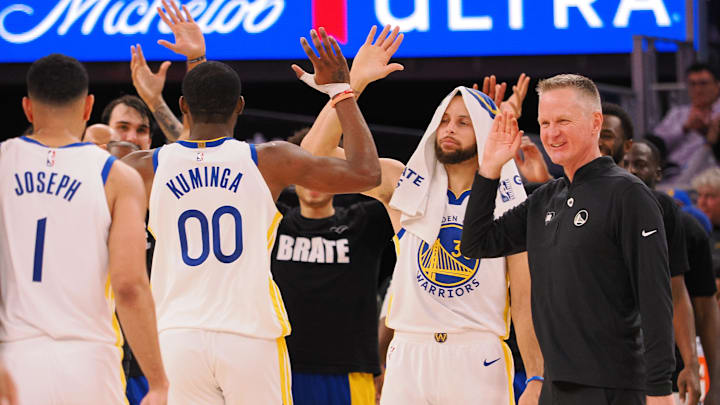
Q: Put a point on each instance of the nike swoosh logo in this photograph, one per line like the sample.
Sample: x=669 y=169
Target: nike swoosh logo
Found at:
x=487 y=363
x=646 y=234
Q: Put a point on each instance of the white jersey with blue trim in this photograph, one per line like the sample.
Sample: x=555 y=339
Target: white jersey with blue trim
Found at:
x=436 y=289
x=214 y=222
x=53 y=243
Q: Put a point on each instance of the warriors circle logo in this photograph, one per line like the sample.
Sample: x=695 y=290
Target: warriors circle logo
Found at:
x=442 y=264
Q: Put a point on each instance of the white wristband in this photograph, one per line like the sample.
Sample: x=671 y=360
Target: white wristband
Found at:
x=331 y=89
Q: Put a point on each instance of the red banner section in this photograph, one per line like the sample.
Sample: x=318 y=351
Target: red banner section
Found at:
x=332 y=15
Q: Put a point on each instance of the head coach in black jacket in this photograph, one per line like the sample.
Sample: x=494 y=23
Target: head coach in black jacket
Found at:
x=601 y=299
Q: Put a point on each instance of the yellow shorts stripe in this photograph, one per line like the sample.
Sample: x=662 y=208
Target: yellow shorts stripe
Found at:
x=362 y=389
x=284 y=364
x=152 y=233
x=509 y=368
x=390 y=302
x=119 y=344
x=273 y=228
x=279 y=307
x=506 y=311
x=110 y=296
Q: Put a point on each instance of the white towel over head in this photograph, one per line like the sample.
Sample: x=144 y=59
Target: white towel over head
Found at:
x=421 y=194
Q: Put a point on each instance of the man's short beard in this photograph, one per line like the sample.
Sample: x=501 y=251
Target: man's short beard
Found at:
x=457 y=156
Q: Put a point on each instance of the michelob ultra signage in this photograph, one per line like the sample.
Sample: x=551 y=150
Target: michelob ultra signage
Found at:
x=103 y=30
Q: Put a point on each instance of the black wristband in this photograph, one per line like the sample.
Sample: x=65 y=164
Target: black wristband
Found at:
x=198 y=59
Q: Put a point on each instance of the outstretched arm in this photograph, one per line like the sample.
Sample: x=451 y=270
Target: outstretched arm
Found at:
x=519 y=274
x=497 y=93
x=361 y=170
x=190 y=42
x=531 y=163
x=688 y=380
x=149 y=87
x=126 y=266
x=189 y=39
x=142 y=162
x=482 y=235
x=370 y=64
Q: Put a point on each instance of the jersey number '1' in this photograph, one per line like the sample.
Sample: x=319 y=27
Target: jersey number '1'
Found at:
x=39 y=249
x=204 y=227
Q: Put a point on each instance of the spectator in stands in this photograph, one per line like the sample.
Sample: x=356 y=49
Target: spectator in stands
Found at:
x=683 y=199
x=685 y=128
x=707 y=185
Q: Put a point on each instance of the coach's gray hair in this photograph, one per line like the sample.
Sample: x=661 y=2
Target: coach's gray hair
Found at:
x=581 y=84
x=709 y=178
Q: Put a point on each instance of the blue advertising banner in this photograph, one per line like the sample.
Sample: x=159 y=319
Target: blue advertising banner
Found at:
x=103 y=30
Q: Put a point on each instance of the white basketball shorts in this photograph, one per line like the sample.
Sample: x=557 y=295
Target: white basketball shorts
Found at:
x=72 y=372
x=447 y=368
x=209 y=368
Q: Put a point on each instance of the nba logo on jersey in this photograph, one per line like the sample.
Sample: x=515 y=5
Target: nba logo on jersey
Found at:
x=50 y=161
x=200 y=156
x=506 y=191
x=444 y=271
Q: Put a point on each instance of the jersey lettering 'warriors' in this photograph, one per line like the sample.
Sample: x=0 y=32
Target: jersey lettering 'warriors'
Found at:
x=53 y=249
x=214 y=222
x=436 y=288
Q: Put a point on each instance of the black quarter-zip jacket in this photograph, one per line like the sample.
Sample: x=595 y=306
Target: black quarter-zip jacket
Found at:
x=601 y=300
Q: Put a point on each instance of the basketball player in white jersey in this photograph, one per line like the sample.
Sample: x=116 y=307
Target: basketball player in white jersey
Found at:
x=212 y=211
x=448 y=345
x=72 y=239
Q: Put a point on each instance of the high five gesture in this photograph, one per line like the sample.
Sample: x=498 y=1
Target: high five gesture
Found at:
x=502 y=144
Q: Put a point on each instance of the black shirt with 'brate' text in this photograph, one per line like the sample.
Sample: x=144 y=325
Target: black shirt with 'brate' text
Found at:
x=328 y=273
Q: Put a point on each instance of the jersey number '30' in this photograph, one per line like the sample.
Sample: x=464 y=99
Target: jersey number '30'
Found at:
x=204 y=227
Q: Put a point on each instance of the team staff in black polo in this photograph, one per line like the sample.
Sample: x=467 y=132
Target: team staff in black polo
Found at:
x=601 y=299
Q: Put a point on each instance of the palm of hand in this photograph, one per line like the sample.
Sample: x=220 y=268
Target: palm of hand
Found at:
x=189 y=40
x=501 y=144
x=149 y=82
x=370 y=63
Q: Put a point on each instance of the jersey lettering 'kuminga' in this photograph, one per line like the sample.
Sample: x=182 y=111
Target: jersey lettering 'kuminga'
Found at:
x=213 y=217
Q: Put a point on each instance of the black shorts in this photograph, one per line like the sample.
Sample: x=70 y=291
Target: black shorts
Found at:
x=565 y=393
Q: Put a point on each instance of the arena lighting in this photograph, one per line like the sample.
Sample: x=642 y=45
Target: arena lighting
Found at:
x=103 y=30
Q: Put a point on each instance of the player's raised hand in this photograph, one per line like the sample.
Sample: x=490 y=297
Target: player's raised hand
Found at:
x=501 y=145
x=329 y=64
x=493 y=90
x=371 y=62
x=148 y=85
x=189 y=39
x=8 y=392
x=531 y=163
x=520 y=90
